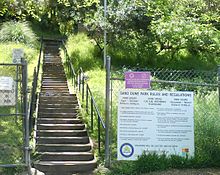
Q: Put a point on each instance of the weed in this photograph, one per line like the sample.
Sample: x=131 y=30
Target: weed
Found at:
x=83 y=52
x=17 y=32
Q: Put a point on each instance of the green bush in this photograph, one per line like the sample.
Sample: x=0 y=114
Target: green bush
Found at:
x=83 y=52
x=17 y=32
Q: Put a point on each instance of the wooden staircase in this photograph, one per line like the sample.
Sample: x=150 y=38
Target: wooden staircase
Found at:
x=63 y=146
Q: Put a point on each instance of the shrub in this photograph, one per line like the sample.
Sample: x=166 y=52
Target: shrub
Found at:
x=17 y=32
x=83 y=52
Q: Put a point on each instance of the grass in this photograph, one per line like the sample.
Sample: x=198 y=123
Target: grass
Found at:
x=18 y=32
x=83 y=53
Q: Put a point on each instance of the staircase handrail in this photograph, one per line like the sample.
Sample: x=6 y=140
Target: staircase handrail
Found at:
x=70 y=67
x=82 y=82
x=79 y=81
x=96 y=107
x=34 y=95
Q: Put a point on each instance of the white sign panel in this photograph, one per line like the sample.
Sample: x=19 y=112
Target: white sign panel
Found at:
x=17 y=55
x=7 y=91
x=6 y=83
x=155 y=121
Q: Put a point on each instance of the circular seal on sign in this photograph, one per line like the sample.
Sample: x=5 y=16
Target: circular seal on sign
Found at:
x=126 y=150
x=131 y=75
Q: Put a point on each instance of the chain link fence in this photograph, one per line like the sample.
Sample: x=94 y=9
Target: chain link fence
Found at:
x=206 y=88
x=13 y=116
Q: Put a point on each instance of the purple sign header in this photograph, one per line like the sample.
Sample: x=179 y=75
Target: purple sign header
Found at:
x=137 y=80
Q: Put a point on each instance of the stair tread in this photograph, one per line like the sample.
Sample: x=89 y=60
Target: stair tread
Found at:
x=64 y=144
x=61 y=131
x=65 y=163
x=61 y=124
x=80 y=137
x=48 y=107
x=59 y=119
x=65 y=153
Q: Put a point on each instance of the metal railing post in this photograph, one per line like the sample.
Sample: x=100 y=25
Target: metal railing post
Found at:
x=91 y=114
x=33 y=100
x=83 y=81
x=219 y=83
x=107 y=113
x=99 y=135
x=87 y=98
x=26 y=115
x=79 y=81
x=16 y=93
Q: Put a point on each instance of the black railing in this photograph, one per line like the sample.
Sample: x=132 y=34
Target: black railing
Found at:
x=80 y=84
x=92 y=109
x=70 y=68
x=34 y=94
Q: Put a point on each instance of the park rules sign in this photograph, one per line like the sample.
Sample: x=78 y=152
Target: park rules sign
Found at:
x=155 y=121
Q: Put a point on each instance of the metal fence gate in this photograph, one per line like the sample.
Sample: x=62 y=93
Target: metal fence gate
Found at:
x=204 y=84
x=14 y=122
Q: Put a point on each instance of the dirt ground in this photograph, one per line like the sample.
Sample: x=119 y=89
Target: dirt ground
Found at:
x=208 y=171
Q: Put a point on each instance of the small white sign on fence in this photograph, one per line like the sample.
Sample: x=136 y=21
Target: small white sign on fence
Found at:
x=6 y=83
x=17 y=54
x=7 y=91
x=155 y=121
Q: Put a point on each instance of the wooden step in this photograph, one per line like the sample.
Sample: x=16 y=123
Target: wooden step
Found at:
x=58 y=102
x=61 y=133
x=58 y=110
x=60 y=126
x=62 y=140
x=65 y=156
x=58 y=121
x=54 y=84
x=57 y=96
x=58 y=105
x=57 y=115
x=65 y=167
x=55 y=90
x=63 y=147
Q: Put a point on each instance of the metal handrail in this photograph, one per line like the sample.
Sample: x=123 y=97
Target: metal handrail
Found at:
x=78 y=79
x=70 y=67
x=33 y=96
x=96 y=107
x=93 y=107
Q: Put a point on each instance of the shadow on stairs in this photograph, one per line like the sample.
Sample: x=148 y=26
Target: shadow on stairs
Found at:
x=63 y=146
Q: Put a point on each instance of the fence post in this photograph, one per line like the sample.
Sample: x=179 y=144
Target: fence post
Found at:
x=107 y=113
x=83 y=81
x=16 y=92
x=91 y=114
x=26 y=115
x=79 y=81
x=33 y=100
x=219 y=83
x=99 y=135
x=87 y=98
